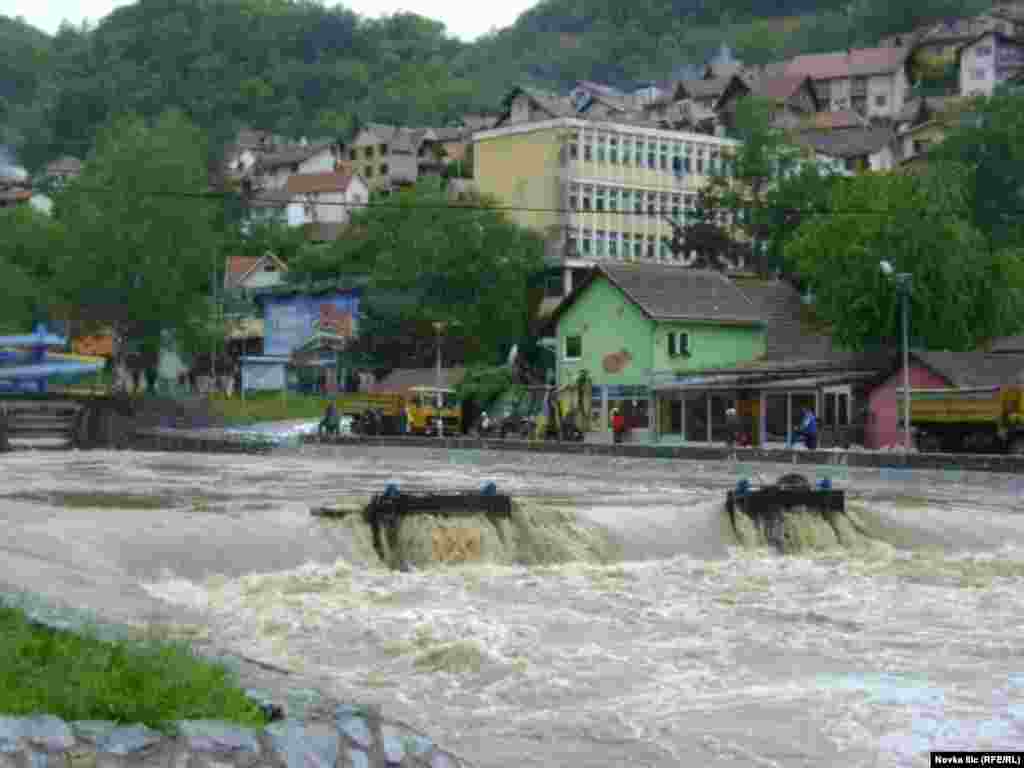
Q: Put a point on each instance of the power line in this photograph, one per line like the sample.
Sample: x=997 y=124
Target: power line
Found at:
x=454 y=206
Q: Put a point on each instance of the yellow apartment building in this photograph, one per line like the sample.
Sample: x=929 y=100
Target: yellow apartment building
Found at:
x=598 y=191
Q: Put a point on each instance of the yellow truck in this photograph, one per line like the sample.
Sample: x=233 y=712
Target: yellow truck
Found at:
x=425 y=404
x=985 y=419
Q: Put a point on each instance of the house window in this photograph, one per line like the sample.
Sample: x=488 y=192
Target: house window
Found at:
x=613 y=245
x=678 y=344
x=368 y=152
x=352 y=154
x=602 y=148
x=368 y=171
x=638 y=247
x=613 y=199
x=588 y=148
x=383 y=169
x=600 y=249
x=880 y=100
x=383 y=149
x=676 y=201
x=627 y=200
x=573 y=347
x=627 y=244
x=613 y=150
x=663 y=202
x=574 y=197
x=666 y=252
x=664 y=157
x=650 y=246
x=587 y=249
x=638 y=204
x=572 y=244
x=651 y=204
x=713 y=165
x=574 y=150
x=639 y=153
x=627 y=151
x=700 y=160
x=599 y=199
x=652 y=155
x=587 y=193
x=982 y=51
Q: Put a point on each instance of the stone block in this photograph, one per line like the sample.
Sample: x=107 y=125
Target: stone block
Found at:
x=218 y=737
x=158 y=755
x=92 y=731
x=49 y=733
x=38 y=759
x=129 y=739
x=298 y=745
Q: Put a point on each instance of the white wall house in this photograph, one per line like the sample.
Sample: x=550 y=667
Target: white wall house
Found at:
x=324 y=198
x=987 y=61
x=871 y=81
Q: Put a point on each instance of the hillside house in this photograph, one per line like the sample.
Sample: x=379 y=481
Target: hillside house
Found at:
x=794 y=98
x=387 y=156
x=870 y=81
x=987 y=61
x=246 y=273
x=324 y=198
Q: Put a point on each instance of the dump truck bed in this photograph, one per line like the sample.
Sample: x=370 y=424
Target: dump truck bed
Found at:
x=976 y=405
x=360 y=402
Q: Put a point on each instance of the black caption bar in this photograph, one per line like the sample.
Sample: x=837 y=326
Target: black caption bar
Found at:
x=977 y=758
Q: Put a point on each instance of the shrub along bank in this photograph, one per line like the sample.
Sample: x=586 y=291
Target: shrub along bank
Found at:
x=82 y=677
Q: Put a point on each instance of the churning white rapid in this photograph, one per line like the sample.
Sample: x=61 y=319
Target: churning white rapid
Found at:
x=646 y=637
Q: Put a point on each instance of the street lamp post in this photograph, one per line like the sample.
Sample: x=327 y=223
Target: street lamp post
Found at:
x=438 y=327
x=903 y=281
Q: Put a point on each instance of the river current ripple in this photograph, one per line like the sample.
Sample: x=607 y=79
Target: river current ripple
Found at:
x=688 y=652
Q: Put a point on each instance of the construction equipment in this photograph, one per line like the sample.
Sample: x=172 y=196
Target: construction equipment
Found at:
x=387 y=409
x=425 y=405
x=966 y=419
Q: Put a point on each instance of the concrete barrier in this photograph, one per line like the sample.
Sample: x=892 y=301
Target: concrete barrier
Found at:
x=182 y=440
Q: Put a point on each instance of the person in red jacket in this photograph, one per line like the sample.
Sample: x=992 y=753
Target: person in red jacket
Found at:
x=618 y=425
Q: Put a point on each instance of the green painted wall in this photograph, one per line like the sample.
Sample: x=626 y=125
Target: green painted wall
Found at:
x=608 y=323
x=710 y=346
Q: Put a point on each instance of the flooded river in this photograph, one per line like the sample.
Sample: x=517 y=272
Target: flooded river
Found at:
x=634 y=631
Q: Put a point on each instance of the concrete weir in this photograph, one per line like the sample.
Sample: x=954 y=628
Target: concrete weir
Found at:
x=791 y=516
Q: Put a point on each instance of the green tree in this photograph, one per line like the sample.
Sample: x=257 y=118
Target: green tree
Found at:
x=988 y=145
x=963 y=292
x=142 y=248
x=27 y=267
x=463 y=262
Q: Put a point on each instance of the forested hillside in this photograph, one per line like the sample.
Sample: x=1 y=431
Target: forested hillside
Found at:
x=299 y=68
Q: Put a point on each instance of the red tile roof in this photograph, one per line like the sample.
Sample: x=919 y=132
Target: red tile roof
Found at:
x=240 y=265
x=305 y=183
x=857 y=62
x=779 y=88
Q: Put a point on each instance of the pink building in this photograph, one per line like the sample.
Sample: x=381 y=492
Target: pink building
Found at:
x=883 y=428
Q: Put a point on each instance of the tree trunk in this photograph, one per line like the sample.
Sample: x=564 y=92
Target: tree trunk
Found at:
x=118 y=383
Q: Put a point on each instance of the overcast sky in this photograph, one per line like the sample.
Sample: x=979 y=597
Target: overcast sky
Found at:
x=464 y=19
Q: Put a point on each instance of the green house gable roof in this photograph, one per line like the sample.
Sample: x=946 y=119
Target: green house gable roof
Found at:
x=670 y=293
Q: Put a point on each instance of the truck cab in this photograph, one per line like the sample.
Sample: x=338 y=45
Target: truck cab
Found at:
x=426 y=404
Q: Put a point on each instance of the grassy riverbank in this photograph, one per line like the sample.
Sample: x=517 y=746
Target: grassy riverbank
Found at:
x=80 y=677
x=266 y=406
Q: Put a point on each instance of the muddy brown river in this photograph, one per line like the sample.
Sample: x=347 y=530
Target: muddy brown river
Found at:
x=634 y=631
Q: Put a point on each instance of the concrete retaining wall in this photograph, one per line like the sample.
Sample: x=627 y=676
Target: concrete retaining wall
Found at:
x=203 y=441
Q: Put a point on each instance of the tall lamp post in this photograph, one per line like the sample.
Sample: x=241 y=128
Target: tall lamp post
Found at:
x=438 y=328
x=903 y=281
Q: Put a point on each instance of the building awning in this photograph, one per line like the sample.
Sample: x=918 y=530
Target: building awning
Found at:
x=753 y=381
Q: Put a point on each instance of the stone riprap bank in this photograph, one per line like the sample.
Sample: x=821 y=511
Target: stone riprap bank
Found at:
x=347 y=739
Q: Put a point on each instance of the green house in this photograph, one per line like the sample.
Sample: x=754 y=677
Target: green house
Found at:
x=627 y=325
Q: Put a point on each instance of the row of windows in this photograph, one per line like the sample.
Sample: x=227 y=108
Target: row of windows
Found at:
x=353 y=154
x=679 y=157
x=619 y=245
x=678 y=345
x=598 y=198
x=368 y=170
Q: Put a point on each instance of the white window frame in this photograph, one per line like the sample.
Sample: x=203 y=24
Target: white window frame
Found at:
x=565 y=349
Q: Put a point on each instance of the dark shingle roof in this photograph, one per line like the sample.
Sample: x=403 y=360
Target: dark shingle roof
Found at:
x=851 y=142
x=975 y=369
x=789 y=335
x=678 y=293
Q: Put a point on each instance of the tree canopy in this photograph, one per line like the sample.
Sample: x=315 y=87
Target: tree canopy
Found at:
x=963 y=291
x=462 y=263
x=141 y=246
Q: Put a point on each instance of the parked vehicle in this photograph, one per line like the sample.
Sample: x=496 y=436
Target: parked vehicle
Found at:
x=357 y=406
x=428 y=404
x=979 y=419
